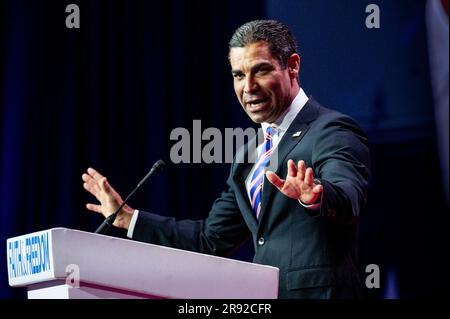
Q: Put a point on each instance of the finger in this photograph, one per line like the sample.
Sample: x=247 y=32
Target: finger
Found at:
x=275 y=180
x=94 y=174
x=104 y=185
x=94 y=208
x=85 y=177
x=309 y=177
x=96 y=190
x=301 y=169
x=88 y=179
x=318 y=189
x=89 y=188
x=292 y=169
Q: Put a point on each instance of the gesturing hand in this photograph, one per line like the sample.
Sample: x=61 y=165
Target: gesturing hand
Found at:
x=299 y=183
x=109 y=199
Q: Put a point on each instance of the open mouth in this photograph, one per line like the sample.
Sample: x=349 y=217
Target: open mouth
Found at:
x=256 y=104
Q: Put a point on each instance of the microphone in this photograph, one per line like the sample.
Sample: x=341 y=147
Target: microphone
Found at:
x=104 y=227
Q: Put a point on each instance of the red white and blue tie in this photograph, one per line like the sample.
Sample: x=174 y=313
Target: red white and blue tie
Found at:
x=257 y=179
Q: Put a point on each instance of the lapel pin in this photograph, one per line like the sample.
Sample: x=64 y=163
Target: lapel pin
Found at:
x=297 y=134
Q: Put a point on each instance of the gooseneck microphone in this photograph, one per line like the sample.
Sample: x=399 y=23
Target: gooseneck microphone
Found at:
x=107 y=223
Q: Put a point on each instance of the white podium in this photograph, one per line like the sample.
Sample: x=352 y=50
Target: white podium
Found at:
x=61 y=263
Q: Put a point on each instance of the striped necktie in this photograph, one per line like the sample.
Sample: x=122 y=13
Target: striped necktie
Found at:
x=257 y=179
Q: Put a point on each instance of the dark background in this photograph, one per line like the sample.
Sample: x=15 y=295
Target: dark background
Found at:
x=108 y=95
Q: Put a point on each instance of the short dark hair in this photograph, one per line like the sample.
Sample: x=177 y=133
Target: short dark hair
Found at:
x=281 y=41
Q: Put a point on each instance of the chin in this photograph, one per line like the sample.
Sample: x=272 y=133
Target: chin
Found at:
x=258 y=118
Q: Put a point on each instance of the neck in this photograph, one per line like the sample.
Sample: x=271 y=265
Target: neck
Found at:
x=295 y=88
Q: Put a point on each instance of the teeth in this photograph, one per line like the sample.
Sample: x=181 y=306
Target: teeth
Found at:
x=257 y=101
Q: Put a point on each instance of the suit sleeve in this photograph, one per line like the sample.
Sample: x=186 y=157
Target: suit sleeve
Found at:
x=341 y=161
x=219 y=234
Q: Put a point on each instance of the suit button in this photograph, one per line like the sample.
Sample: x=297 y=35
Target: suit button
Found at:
x=261 y=241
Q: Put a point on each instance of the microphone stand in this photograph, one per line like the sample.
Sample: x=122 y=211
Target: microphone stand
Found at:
x=107 y=223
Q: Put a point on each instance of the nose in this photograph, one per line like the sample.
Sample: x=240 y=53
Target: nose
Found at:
x=250 y=85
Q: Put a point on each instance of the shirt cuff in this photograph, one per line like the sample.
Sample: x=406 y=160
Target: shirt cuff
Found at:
x=315 y=206
x=132 y=224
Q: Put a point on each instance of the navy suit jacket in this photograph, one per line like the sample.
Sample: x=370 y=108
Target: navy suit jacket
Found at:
x=316 y=251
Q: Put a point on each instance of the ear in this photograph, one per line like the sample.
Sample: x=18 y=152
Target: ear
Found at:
x=293 y=65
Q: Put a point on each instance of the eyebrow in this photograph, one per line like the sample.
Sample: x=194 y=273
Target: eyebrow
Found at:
x=254 y=68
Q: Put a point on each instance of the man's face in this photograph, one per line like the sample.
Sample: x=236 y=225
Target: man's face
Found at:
x=262 y=87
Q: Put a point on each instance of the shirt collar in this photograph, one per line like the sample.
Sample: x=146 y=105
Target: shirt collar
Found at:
x=285 y=119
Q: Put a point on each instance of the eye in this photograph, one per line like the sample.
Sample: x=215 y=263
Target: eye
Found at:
x=262 y=71
x=238 y=76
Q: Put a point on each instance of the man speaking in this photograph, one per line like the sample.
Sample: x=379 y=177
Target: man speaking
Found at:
x=301 y=210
